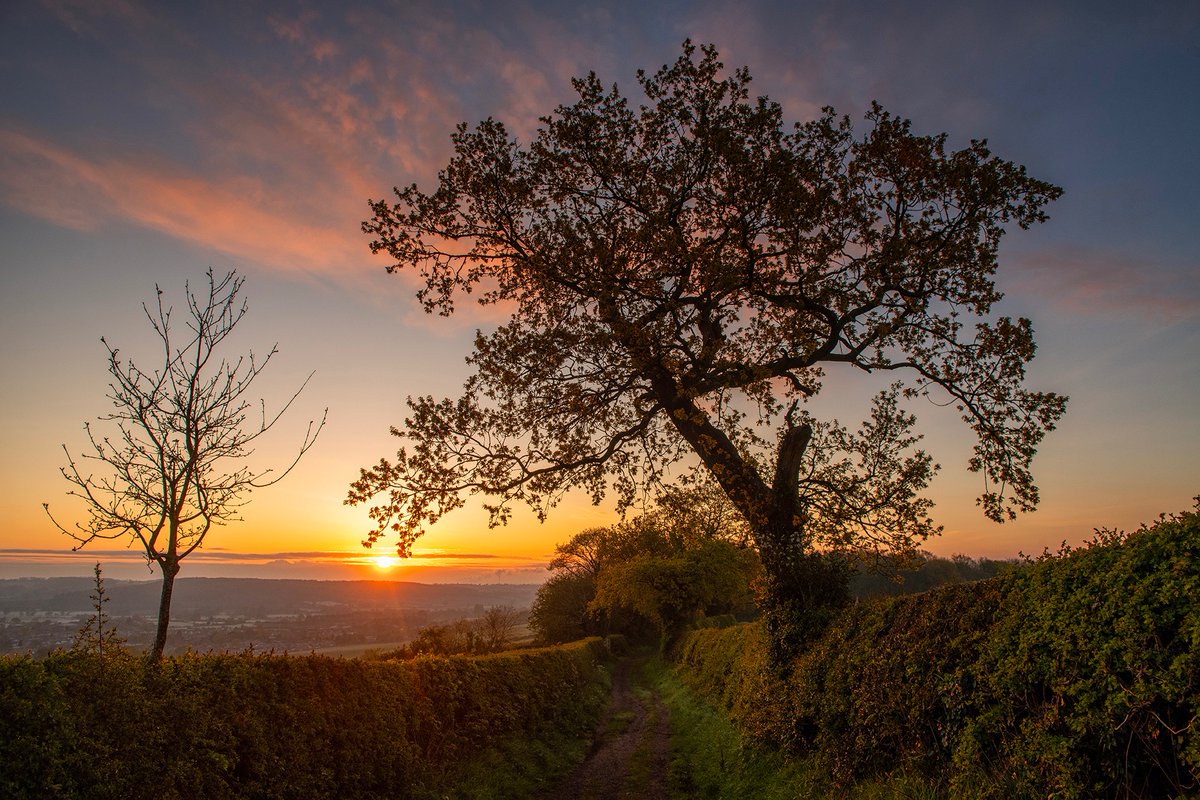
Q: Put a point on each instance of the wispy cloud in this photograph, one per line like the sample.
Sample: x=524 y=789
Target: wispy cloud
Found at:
x=268 y=154
x=229 y=213
x=1093 y=281
x=265 y=136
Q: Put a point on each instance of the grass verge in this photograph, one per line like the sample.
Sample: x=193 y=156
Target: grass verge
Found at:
x=711 y=760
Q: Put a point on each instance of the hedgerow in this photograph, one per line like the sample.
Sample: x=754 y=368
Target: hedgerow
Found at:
x=1076 y=675
x=274 y=726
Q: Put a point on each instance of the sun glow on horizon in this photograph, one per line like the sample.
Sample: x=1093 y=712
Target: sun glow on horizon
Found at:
x=384 y=562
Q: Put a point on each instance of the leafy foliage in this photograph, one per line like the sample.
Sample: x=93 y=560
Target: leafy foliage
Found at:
x=679 y=277
x=267 y=726
x=1077 y=675
x=671 y=592
x=711 y=757
x=651 y=575
x=560 y=610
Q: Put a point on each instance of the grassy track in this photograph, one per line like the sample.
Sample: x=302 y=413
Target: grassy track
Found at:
x=660 y=741
x=711 y=760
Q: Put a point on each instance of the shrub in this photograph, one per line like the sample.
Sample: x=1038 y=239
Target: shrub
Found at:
x=1077 y=675
x=273 y=726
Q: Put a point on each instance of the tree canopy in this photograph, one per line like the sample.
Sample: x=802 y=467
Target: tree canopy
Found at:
x=651 y=575
x=681 y=276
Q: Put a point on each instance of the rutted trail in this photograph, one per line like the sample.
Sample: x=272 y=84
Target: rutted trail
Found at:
x=630 y=755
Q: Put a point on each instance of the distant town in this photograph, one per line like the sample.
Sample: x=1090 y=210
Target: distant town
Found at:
x=39 y=615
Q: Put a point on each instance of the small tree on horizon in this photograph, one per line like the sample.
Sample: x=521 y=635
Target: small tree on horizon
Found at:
x=174 y=467
x=498 y=627
x=98 y=634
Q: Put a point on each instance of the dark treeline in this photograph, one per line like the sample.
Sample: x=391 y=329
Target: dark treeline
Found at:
x=888 y=580
x=689 y=562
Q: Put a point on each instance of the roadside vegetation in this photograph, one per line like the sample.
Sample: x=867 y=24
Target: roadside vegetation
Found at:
x=1074 y=675
x=711 y=757
x=81 y=725
x=652 y=576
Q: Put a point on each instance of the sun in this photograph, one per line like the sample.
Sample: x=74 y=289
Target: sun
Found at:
x=385 y=562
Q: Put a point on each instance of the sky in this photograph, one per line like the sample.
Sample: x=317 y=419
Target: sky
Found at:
x=143 y=143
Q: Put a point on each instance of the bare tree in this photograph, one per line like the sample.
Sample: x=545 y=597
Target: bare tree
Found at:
x=175 y=466
x=498 y=627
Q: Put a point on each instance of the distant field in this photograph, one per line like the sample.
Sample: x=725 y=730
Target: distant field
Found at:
x=357 y=650
x=521 y=637
x=345 y=618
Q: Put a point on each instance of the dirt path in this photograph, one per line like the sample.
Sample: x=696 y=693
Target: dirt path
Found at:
x=629 y=757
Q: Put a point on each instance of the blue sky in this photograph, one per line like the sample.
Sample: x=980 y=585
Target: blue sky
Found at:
x=143 y=143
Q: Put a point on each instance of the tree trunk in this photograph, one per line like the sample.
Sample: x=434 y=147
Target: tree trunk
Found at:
x=801 y=591
x=169 y=570
x=802 y=587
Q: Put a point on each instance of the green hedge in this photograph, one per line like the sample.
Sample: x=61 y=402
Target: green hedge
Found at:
x=270 y=726
x=1077 y=675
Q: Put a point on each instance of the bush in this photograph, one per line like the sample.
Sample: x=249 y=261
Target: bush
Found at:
x=37 y=734
x=1077 y=675
x=270 y=726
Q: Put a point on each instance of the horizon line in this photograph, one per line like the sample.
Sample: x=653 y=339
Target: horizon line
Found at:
x=220 y=556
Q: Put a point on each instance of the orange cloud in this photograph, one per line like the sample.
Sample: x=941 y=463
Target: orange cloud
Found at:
x=280 y=161
x=233 y=215
x=273 y=161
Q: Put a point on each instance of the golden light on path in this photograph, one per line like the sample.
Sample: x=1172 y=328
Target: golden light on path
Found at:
x=385 y=562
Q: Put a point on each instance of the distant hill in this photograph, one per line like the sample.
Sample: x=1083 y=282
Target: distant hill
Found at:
x=255 y=597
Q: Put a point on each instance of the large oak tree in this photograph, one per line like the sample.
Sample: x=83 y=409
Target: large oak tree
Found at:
x=681 y=276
